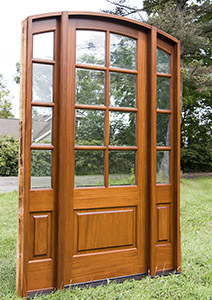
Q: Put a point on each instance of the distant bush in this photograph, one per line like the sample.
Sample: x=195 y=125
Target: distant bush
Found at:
x=197 y=158
x=8 y=156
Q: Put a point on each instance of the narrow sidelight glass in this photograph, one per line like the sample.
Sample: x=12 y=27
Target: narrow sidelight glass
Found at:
x=41 y=125
x=43 y=45
x=41 y=169
x=163 y=62
x=122 y=167
x=90 y=47
x=122 y=89
x=163 y=93
x=163 y=167
x=89 y=127
x=163 y=129
x=42 y=84
x=90 y=87
x=89 y=168
x=122 y=52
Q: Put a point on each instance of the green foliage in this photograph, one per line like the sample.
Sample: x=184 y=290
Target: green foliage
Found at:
x=18 y=73
x=41 y=162
x=8 y=156
x=5 y=103
x=194 y=282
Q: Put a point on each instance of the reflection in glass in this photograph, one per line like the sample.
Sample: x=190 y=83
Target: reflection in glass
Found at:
x=122 y=165
x=122 y=128
x=43 y=45
x=42 y=86
x=163 y=130
x=89 y=127
x=163 y=93
x=163 y=62
x=122 y=89
x=90 y=87
x=89 y=168
x=41 y=125
x=90 y=47
x=122 y=52
x=41 y=169
x=163 y=167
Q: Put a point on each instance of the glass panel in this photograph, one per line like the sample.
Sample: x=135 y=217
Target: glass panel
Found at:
x=41 y=169
x=89 y=127
x=122 y=89
x=163 y=93
x=122 y=52
x=42 y=83
x=90 y=48
x=163 y=62
x=90 y=87
x=41 y=125
x=122 y=165
x=89 y=168
x=163 y=167
x=163 y=130
x=122 y=128
x=43 y=45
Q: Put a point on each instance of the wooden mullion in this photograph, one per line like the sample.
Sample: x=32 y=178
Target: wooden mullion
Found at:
x=44 y=104
x=91 y=67
x=159 y=148
x=126 y=109
x=123 y=148
x=164 y=111
x=91 y=107
x=107 y=103
x=43 y=61
x=164 y=75
x=96 y=148
x=41 y=147
x=119 y=70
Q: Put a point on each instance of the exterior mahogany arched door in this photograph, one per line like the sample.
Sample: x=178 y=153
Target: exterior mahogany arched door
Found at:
x=99 y=167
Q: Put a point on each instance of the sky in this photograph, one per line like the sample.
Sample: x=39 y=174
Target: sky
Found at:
x=12 y=13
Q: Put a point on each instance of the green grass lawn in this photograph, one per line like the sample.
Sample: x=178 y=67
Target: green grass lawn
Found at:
x=194 y=282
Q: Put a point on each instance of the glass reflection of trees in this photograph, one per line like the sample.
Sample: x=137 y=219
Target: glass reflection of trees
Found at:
x=163 y=62
x=42 y=83
x=163 y=129
x=163 y=167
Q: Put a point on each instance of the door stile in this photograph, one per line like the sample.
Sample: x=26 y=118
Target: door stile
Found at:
x=152 y=83
x=63 y=178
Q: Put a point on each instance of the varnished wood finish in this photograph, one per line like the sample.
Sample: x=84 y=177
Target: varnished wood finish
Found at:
x=75 y=235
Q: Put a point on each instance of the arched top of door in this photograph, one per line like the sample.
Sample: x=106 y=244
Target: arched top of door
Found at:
x=104 y=17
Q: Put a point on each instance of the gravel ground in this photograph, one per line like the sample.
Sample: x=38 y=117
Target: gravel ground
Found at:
x=8 y=184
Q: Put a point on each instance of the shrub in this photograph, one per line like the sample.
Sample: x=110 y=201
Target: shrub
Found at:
x=8 y=156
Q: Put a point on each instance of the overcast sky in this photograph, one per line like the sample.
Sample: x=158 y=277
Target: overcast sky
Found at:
x=13 y=12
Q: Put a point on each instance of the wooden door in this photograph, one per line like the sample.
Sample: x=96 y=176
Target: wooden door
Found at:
x=106 y=151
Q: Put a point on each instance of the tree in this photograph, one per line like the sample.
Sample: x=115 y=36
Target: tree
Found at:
x=5 y=103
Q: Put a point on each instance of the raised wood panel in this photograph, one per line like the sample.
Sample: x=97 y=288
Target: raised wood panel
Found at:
x=40 y=235
x=39 y=274
x=106 y=265
x=164 y=193
x=164 y=257
x=163 y=222
x=41 y=200
x=105 y=229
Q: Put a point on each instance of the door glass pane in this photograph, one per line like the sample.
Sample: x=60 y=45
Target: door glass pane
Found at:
x=89 y=127
x=163 y=93
x=43 y=45
x=122 y=128
x=41 y=169
x=163 y=62
x=90 y=47
x=163 y=167
x=122 y=90
x=122 y=52
x=42 y=86
x=41 y=125
x=89 y=168
x=90 y=87
x=163 y=130
x=122 y=165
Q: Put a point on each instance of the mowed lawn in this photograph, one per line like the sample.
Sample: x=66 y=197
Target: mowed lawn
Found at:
x=194 y=282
